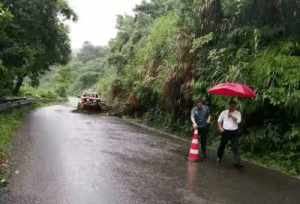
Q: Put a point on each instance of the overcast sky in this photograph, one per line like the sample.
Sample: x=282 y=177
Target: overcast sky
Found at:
x=97 y=20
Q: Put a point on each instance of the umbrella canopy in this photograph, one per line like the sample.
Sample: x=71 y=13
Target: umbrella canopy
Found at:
x=233 y=89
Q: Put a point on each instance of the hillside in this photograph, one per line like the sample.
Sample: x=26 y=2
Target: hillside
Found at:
x=172 y=51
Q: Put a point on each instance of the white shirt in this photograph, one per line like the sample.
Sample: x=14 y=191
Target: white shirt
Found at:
x=229 y=123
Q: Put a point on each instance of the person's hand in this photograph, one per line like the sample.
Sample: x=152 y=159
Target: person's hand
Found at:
x=232 y=117
x=221 y=130
x=195 y=126
x=208 y=120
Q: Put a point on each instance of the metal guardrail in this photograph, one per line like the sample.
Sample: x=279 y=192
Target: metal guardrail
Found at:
x=6 y=104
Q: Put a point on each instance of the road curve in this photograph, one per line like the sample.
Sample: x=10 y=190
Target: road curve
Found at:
x=63 y=157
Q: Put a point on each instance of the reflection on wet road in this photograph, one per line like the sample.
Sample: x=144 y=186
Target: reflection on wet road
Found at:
x=68 y=158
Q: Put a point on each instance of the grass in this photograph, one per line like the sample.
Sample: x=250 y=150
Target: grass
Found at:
x=276 y=161
x=10 y=121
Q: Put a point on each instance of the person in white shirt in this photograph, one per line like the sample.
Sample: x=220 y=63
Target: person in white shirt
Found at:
x=228 y=124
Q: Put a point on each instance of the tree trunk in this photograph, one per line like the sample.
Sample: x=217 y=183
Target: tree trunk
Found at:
x=18 y=85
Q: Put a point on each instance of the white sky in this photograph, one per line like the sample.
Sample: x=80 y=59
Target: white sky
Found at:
x=97 y=20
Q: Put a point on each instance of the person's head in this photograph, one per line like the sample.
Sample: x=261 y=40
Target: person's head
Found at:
x=232 y=105
x=200 y=103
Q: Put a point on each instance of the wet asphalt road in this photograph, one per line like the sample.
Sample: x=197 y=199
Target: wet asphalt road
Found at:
x=69 y=158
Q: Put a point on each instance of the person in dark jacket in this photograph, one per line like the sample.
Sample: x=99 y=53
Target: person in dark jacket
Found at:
x=200 y=117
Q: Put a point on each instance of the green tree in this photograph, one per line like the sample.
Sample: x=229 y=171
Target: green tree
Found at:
x=172 y=51
x=89 y=52
x=36 y=38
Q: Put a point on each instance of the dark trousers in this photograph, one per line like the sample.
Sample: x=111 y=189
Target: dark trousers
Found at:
x=203 y=132
x=233 y=137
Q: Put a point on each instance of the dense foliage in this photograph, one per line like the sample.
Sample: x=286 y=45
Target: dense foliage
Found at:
x=79 y=75
x=33 y=37
x=172 y=51
x=164 y=57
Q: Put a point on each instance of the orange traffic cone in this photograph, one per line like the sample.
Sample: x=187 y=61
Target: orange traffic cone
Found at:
x=194 y=151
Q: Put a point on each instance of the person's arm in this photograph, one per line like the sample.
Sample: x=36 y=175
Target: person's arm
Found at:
x=208 y=115
x=193 y=118
x=220 y=125
x=209 y=119
x=220 y=122
x=239 y=118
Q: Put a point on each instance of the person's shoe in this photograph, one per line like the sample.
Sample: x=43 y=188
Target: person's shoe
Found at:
x=204 y=157
x=219 y=161
x=238 y=166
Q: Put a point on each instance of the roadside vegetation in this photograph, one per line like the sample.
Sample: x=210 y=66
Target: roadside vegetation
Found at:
x=33 y=38
x=10 y=121
x=164 y=57
x=172 y=51
x=81 y=74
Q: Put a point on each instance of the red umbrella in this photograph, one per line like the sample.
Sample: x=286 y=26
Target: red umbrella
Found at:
x=233 y=89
